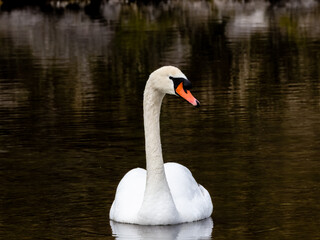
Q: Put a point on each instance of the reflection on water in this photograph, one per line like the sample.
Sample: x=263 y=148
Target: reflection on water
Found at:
x=195 y=230
x=71 y=87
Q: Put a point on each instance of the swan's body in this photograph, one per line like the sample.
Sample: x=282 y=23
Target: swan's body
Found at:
x=164 y=193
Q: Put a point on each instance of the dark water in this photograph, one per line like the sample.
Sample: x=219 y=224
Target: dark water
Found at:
x=71 y=126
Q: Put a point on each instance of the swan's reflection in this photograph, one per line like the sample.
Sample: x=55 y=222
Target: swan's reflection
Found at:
x=195 y=230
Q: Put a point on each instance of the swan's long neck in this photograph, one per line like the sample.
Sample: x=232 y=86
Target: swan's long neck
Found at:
x=151 y=114
x=157 y=193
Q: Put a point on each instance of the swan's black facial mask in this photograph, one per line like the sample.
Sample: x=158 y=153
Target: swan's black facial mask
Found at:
x=181 y=87
x=186 y=83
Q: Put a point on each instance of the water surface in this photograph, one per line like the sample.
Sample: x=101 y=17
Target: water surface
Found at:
x=71 y=88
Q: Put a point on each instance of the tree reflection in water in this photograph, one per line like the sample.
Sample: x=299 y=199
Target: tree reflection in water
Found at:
x=71 y=85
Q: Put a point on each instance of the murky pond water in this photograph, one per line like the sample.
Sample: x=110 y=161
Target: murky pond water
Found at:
x=71 y=87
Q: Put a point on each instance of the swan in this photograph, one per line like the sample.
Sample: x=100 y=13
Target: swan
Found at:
x=163 y=194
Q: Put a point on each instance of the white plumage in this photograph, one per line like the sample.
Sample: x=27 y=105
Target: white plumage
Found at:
x=164 y=193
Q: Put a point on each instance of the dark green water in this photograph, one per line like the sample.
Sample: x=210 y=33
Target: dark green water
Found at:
x=71 y=116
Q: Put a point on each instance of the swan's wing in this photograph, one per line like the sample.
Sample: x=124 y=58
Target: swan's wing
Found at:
x=191 y=199
x=129 y=196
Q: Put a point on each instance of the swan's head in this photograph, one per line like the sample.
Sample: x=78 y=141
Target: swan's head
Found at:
x=170 y=80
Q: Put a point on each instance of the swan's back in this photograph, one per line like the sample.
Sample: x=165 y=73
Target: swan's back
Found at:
x=192 y=201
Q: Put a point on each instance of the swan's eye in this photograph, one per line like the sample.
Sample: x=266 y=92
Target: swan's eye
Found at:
x=177 y=80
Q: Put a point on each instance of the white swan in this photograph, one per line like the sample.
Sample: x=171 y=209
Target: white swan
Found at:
x=165 y=193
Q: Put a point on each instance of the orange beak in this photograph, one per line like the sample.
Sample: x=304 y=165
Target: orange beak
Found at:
x=186 y=94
